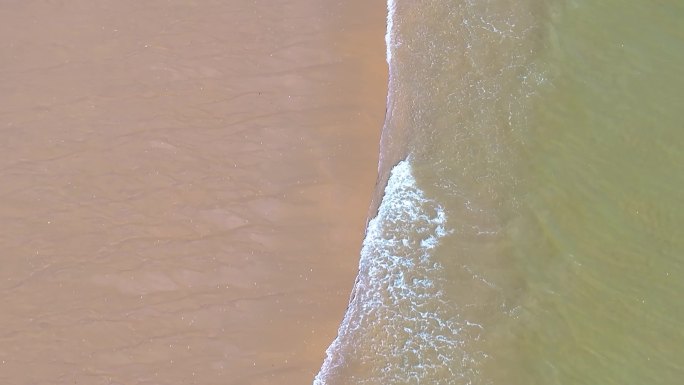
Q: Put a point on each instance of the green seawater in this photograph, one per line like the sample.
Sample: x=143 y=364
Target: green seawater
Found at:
x=599 y=240
x=561 y=163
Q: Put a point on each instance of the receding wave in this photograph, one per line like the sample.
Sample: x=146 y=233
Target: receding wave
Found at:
x=389 y=38
x=398 y=327
x=431 y=286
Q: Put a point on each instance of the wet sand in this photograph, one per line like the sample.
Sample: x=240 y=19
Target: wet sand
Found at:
x=184 y=186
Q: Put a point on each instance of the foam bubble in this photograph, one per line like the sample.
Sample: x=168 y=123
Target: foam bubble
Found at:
x=389 y=43
x=399 y=328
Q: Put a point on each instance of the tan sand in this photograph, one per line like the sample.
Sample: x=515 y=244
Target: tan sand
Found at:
x=184 y=186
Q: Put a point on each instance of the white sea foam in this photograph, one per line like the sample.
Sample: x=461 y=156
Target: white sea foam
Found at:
x=389 y=35
x=399 y=328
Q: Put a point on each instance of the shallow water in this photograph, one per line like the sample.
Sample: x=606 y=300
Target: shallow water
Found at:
x=549 y=135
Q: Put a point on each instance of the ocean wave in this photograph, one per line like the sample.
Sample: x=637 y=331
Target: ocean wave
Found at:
x=398 y=328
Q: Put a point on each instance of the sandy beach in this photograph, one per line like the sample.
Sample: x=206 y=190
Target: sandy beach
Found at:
x=184 y=186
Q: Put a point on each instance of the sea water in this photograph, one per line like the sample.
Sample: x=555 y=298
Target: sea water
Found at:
x=532 y=231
